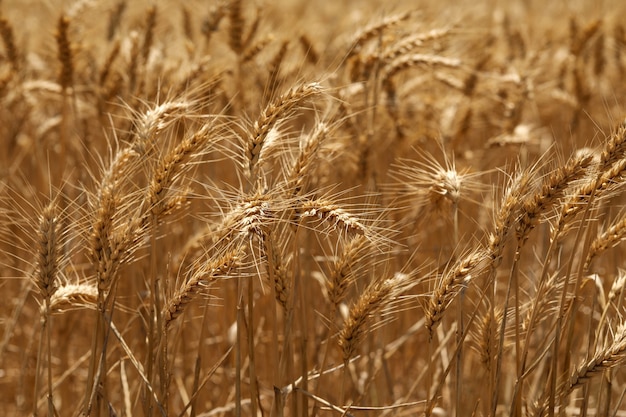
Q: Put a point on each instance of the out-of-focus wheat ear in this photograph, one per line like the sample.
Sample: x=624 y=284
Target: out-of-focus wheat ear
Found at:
x=279 y=109
x=373 y=300
x=619 y=36
x=115 y=19
x=409 y=61
x=65 y=53
x=454 y=279
x=237 y=22
x=254 y=49
x=48 y=253
x=148 y=34
x=8 y=40
x=247 y=40
x=274 y=67
x=609 y=238
x=551 y=191
x=107 y=66
x=410 y=43
x=599 y=58
x=310 y=53
x=580 y=38
x=374 y=30
x=211 y=23
x=201 y=278
x=186 y=24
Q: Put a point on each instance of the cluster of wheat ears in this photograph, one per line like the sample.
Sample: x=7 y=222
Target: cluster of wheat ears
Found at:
x=216 y=208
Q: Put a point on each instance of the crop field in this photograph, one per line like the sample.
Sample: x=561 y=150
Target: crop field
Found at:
x=312 y=208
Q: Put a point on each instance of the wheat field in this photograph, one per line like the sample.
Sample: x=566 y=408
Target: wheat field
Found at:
x=333 y=208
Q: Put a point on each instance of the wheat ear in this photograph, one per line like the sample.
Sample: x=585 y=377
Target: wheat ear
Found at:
x=46 y=279
x=450 y=285
x=275 y=111
x=200 y=280
x=605 y=359
x=551 y=190
x=376 y=297
x=8 y=39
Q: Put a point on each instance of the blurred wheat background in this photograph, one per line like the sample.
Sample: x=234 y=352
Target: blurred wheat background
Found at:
x=350 y=208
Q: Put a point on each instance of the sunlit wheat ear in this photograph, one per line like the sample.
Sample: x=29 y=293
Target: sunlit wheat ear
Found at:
x=300 y=171
x=507 y=213
x=49 y=252
x=338 y=218
x=150 y=123
x=171 y=167
x=603 y=185
x=200 y=280
x=278 y=264
x=374 y=299
x=480 y=335
x=280 y=109
x=429 y=182
x=450 y=284
x=344 y=269
x=552 y=189
x=604 y=359
x=74 y=296
x=609 y=238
